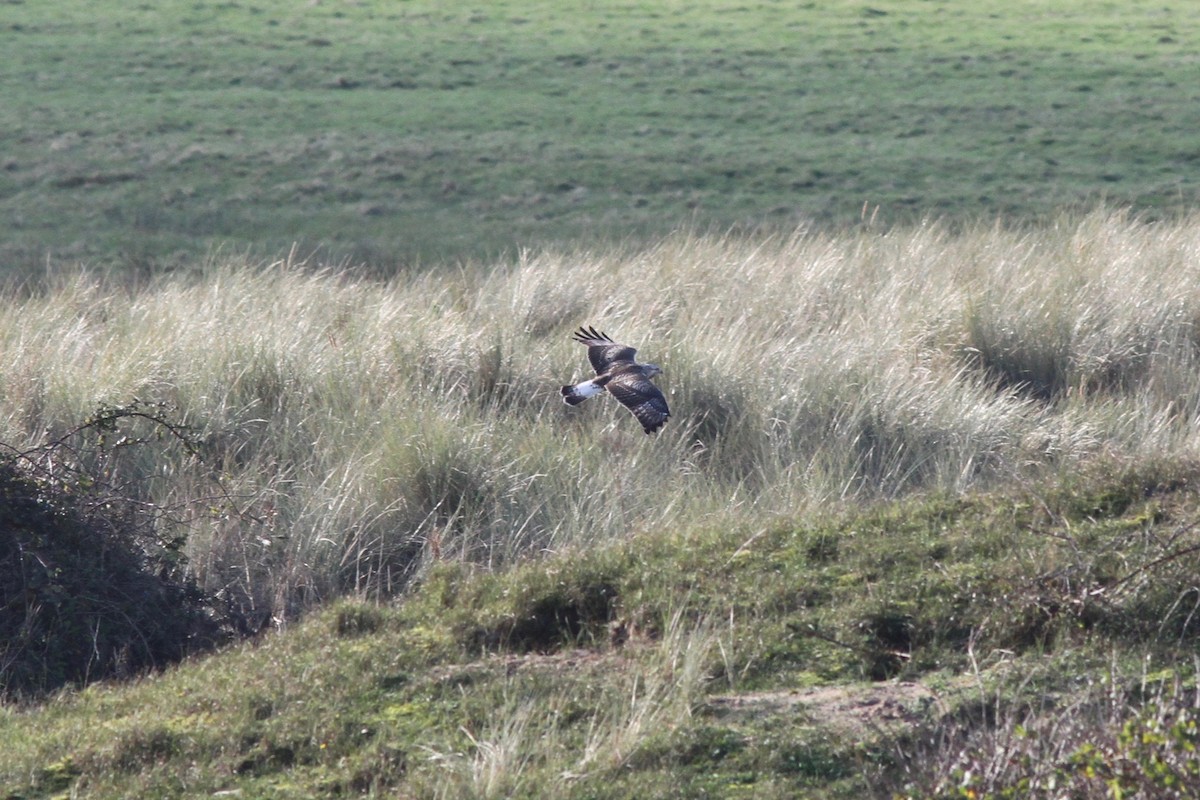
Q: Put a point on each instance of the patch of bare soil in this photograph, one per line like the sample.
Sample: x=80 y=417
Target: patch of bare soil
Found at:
x=855 y=710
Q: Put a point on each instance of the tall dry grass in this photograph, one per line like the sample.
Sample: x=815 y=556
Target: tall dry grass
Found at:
x=366 y=426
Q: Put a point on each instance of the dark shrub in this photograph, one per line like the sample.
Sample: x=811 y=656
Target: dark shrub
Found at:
x=92 y=583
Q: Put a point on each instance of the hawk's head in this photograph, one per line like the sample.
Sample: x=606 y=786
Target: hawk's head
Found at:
x=650 y=370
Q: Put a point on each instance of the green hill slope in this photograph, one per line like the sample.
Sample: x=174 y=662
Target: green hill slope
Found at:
x=885 y=650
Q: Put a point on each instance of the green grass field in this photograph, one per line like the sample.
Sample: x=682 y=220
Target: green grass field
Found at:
x=386 y=132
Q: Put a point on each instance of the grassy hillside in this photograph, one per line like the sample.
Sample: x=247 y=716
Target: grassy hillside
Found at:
x=923 y=520
x=389 y=132
x=1032 y=639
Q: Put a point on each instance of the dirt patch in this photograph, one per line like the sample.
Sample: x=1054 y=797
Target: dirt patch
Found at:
x=854 y=709
x=579 y=660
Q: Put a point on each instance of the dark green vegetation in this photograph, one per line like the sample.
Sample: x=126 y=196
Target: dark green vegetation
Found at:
x=676 y=664
x=384 y=132
x=93 y=581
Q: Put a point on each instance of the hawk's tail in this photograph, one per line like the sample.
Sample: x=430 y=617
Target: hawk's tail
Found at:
x=574 y=395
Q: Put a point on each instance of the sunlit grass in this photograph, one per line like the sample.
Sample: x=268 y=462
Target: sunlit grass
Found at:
x=369 y=426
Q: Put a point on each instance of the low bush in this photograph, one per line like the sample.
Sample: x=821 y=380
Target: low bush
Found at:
x=92 y=578
x=1122 y=744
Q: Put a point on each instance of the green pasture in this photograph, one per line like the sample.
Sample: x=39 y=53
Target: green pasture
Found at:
x=384 y=132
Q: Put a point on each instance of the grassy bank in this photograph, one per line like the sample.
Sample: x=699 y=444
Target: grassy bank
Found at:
x=923 y=520
x=1030 y=641
x=387 y=133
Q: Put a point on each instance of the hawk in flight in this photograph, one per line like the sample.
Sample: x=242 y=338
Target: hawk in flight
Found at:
x=622 y=377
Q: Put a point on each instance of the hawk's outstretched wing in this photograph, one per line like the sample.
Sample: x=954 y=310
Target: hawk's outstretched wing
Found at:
x=635 y=391
x=603 y=352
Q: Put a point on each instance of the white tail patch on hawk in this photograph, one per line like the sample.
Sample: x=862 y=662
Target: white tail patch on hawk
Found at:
x=574 y=395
